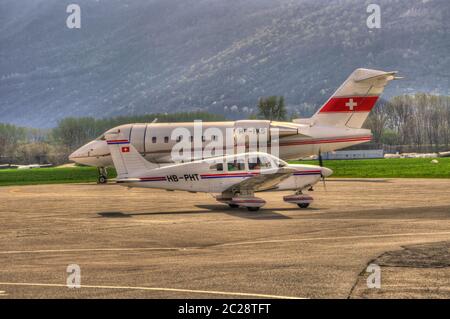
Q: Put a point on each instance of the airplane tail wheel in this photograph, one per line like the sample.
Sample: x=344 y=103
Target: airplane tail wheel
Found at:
x=102 y=179
x=303 y=205
x=233 y=205
x=253 y=209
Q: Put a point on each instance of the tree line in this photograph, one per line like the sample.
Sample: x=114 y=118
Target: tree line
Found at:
x=21 y=145
x=415 y=123
x=420 y=122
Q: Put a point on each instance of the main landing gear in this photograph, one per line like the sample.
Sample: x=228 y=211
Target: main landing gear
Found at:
x=249 y=201
x=102 y=175
x=253 y=203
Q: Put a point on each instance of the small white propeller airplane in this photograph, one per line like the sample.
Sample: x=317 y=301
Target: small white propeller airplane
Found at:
x=233 y=178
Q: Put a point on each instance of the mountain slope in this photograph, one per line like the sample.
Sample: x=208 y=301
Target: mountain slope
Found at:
x=138 y=56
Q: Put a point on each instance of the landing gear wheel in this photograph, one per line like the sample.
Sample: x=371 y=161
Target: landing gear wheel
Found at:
x=102 y=175
x=102 y=179
x=233 y=205
x=253 y=209
x=303 y=205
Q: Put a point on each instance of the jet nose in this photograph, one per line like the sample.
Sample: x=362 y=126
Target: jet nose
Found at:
x=80 y=153
x=94 y=153
x=326 y=171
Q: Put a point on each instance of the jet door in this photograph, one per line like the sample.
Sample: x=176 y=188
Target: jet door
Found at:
x=252 y=136
x=137 y=137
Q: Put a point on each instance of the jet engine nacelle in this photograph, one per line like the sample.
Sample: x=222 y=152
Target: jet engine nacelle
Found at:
x=273 y=128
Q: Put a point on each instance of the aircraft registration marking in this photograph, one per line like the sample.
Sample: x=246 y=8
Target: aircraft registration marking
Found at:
x=185 y=177
x=196 y=177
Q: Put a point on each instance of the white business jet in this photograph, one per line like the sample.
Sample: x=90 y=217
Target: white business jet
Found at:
x=233 y=179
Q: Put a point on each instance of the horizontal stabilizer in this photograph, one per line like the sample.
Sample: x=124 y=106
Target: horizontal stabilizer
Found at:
x=383 y=76
x=127 y=160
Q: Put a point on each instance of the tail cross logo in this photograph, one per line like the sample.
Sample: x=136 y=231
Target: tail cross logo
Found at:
x=125 y=149
x=351 y=104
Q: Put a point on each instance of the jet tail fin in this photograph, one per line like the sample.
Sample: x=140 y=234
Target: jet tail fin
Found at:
x=127 y=160
x=351 y=104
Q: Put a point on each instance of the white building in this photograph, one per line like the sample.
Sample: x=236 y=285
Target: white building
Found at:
x=353 y=154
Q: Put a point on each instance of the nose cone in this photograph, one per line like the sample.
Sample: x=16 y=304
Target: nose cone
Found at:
x=326 y=171
x=79 y=153
x=81 y=156
x=94 y=153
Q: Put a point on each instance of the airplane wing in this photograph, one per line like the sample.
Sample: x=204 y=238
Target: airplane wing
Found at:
x=263 y=181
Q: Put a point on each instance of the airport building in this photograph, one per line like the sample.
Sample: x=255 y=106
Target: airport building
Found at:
x=354 y=154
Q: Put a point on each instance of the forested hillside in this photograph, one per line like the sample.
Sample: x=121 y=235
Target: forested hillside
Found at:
x=138 y=56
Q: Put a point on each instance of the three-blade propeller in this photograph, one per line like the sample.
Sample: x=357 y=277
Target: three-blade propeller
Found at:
x=321 y=173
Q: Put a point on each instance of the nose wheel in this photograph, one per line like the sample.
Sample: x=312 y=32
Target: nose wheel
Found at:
x=302 y=200
x=102 y=175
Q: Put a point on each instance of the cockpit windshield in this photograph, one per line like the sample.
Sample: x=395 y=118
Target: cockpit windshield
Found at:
x=101 y=138
x=280 y=163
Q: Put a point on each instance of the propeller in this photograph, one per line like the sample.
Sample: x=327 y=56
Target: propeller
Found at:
x=321 y=165
x=320 y=159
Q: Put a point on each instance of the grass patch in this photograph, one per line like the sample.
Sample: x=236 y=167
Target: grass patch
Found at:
x=369 y=168
x=49 y=175
x=387 y=168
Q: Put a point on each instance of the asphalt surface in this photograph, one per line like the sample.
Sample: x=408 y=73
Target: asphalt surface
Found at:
x=143 y=243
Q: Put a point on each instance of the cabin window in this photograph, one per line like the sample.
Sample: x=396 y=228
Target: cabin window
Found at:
x=154 y=139
x=203 y=138
x=218 y=167
x=179 y=138
x=191 y=138
x=166 y=139
x=235 y=166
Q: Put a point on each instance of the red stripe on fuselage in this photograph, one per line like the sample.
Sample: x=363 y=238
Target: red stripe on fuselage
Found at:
x=153 y=178
x=349 y=104
x=231 y=174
